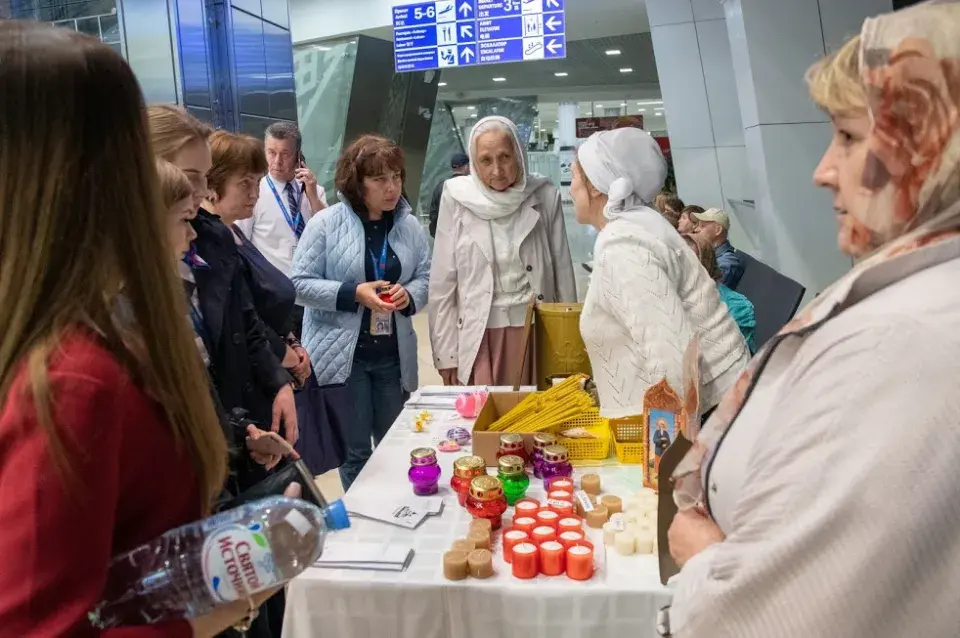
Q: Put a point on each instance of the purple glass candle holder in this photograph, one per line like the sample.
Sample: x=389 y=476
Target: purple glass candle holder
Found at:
x=541 y=440
x=555 y=465
x=424 y=471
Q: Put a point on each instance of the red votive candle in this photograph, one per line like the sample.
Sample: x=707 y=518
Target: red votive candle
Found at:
x=560 y=495
x=570 y=524
x=512 y=538
x=548 y=518
x=526 y=507
x=525 y=524
x=570 y=539
x=562 y=508
x=563 y=484
x=552 y=560
x=526 y=561
x=580 y=563
x=543 y=534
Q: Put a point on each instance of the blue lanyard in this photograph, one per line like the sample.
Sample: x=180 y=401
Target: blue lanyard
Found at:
x=197 y=320
x=380 y=268
x=292 y=222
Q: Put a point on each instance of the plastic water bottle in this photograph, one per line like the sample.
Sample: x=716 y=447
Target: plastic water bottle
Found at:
x=190 y=570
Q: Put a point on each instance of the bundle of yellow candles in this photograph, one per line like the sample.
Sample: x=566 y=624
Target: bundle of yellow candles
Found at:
x=548 y=409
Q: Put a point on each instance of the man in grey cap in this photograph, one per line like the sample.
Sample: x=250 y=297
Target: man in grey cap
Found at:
x=460 y=164
x=714 y=224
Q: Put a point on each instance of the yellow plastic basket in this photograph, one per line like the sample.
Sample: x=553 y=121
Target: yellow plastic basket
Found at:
x=596 y=449
x=628 y=434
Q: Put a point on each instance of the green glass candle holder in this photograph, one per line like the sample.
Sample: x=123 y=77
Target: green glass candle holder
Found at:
x=513 y=478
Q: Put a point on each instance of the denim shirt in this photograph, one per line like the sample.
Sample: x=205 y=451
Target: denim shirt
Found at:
x=730 y=266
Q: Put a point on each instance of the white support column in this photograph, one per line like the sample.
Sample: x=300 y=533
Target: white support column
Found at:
x=567 y=129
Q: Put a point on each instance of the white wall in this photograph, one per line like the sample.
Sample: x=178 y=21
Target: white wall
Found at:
x=322 y=19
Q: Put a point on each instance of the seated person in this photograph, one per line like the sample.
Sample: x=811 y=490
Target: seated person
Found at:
x=714 y=226
x=740 y=308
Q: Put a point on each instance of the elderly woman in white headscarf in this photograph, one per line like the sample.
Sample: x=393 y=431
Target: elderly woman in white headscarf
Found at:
x=649 y=295
x=500 y=243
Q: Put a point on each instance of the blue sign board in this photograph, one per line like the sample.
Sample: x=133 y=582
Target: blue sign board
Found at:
x=451 y=33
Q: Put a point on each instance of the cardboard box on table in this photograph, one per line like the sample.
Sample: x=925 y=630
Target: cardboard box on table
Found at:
x=486 y=444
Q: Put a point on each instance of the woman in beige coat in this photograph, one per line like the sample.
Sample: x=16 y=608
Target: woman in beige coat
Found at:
x=822 y=497
x=501 y=241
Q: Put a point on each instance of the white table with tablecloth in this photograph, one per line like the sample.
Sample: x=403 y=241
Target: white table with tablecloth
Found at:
x=622 y=599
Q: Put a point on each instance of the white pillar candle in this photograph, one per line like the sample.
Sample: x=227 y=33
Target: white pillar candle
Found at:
x=610 y=530
x=625 y=543
x=644 y=542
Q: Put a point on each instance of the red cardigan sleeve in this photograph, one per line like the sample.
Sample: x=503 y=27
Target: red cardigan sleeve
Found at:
x=58 y=528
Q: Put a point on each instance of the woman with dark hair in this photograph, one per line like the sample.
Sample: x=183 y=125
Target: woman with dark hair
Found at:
x=108 y=437
x=361 y=270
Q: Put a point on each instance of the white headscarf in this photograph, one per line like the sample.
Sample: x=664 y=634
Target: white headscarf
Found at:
x=483 y=201
x=626 y=165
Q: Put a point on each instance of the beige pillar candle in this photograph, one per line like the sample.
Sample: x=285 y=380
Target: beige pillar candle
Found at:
x=482 y=523
x=480 y=538
x=625 y=543
x=597 y=517
x=590 y=483
x=455 y=565
x=480 y=562
x=614 y=503
x=463 y=545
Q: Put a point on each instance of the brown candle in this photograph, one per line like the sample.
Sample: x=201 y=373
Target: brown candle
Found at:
x=482 y=524
x=455 y=566
x=590 y=483
x=614 y=504
x=480 y=562
x=480 y=538
x=463 y=545
x=597 y=516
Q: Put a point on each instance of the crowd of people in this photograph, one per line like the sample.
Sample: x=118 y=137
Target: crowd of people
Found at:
x=183 y=313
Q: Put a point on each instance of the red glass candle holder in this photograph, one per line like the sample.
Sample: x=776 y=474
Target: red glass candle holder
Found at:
x=512 y=538
x=543 y=534
x=526 y=507
x=525 y=523
x=570 y=524
x=486 y=500
x=580 y=563
x=465 y=469
x=526 y=561
x=512 y=444
x=552 y=558
x=562 y=508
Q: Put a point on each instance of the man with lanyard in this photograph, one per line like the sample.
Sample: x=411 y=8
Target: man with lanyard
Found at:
x=289 y=197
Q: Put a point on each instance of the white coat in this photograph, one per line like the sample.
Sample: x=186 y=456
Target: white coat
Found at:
x=461 y=279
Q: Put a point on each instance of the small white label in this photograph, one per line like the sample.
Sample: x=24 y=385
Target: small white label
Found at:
x=237 y=562
x=585 y=503
x=298 y=522
x=618 y=522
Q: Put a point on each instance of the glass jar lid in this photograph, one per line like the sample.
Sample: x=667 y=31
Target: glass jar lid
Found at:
x=468 y=466
x=423 y=456
x=511 y=441
x=544 y=439
x=511 y=464
x=486 y=488
x=555 y=453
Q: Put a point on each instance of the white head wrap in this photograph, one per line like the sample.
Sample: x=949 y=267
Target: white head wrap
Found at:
x=626 y=165
x=482 y=200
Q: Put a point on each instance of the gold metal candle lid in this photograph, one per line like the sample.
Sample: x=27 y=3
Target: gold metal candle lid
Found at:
x=511 y=441
x=486 y=488
x=544 y=439
x=555 y=453
x=511 y=464
x=468 y=466
x=423 y=456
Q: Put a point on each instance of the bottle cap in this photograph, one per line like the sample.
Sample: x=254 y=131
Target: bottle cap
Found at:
x=423 y=456
x=544 y=439
x=468 y=466
x=511 y=441
x=555 y=453
x=486 y=488
x=336 y=516
x=511 y=464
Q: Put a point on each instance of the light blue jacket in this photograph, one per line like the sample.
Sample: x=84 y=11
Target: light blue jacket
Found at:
x=332 y=252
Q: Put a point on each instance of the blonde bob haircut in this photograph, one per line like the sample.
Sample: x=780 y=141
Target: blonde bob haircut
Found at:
x=834 y=82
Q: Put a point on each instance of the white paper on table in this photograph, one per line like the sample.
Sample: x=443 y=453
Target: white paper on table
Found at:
x=405 y=516
x=367 y=556
x=433 y=505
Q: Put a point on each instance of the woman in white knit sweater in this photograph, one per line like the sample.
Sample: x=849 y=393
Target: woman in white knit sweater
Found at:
x=822 y=497
x=649 y=295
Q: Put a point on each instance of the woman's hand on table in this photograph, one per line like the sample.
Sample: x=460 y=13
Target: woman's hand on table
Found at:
x=449 y=376
x=691 y=532
x=367 y=297
x=399 y=296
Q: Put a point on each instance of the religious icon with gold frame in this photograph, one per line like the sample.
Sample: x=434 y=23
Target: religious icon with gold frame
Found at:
x=663 y=413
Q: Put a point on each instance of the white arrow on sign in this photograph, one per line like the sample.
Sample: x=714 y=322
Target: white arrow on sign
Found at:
x=553 y=3
x=552 y=23
x=466 y=8
x=553 y=46
x=466 y=54
x=466 y=30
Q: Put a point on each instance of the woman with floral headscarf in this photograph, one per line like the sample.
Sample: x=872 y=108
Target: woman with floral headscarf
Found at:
x=821 y=499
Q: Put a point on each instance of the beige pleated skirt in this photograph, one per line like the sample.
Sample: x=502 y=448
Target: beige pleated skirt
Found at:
x=500 y=355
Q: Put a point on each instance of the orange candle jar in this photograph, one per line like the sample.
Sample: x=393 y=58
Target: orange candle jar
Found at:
x=525 y=523
x=465 y=469
x=526 y=507
x=564 y=484
x=570 y=539
x=560 y=495
x=552 y=558
x=570 y=524
x=548 y=518
x=580 y=563
x=526 y=561
x=486 y=500
x=543 y=534
x=563 y=509
x=512 y=538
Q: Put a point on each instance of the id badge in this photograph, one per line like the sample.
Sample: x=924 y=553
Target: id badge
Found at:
x=381 y=324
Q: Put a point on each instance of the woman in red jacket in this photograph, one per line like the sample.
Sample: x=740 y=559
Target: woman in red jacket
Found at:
x=107 y=434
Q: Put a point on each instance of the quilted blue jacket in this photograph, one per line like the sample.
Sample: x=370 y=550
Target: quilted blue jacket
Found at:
x=330 y=253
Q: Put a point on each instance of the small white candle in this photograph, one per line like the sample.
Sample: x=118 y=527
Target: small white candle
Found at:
x=609 y=533
x=644 y=542
x=625 y=543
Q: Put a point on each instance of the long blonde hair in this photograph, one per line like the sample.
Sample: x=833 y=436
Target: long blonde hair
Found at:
x=172 y=128
x=81 y=220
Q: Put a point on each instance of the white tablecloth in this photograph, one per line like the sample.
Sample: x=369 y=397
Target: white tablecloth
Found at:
x=621 y=600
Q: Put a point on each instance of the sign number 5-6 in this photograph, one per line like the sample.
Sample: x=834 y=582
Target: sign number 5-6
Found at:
x=419 y=13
